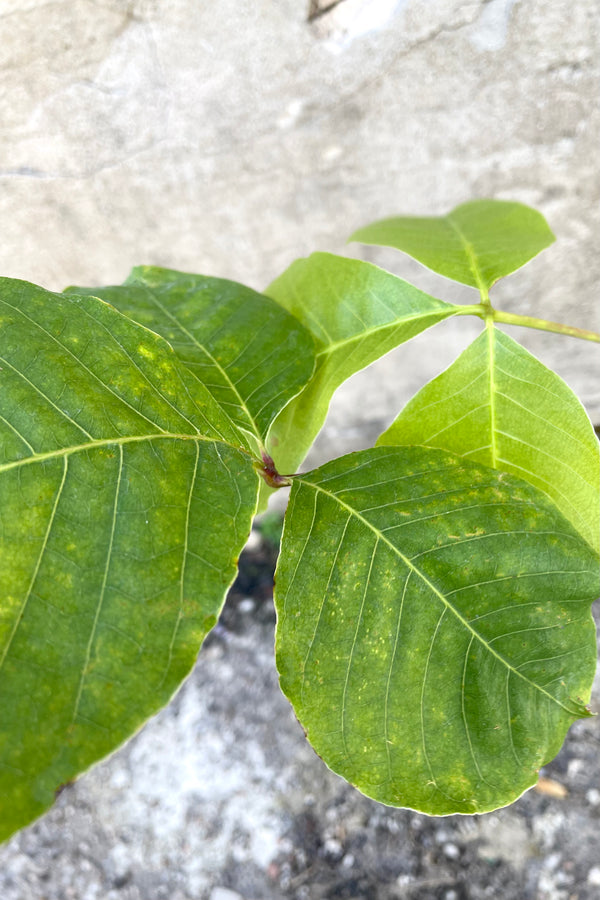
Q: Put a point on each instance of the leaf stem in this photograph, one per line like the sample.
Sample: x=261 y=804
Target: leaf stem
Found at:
x=485 y=300
x=497 y=315
x=266 y=469
x=544 y=325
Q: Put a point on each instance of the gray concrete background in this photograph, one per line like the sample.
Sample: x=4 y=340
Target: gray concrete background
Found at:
x=229 y=138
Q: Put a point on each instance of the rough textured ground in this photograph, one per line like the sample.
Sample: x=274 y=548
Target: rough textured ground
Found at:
x=220 y=798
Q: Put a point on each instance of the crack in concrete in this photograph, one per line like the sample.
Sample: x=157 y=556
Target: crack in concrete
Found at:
x=316 y=11
x=367 y=84
x=84 y=175
x=403 y=54
x=129 y=19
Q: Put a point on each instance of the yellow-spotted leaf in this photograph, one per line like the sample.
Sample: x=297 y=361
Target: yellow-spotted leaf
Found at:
x=434 y=630
x=126 y=495
x=251 y=354
x=498 y=405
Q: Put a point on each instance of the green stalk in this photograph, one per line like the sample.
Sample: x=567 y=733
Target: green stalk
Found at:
x=544 y=325
x=487 y=312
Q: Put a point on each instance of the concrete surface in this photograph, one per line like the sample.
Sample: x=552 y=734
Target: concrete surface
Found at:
x=229 y=138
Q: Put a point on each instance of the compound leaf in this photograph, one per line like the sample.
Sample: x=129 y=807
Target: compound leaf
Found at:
x=477 y=243
x=498 y=405
x=126 y=495
x=434 y=630
x=356 y=313
x=250 y=353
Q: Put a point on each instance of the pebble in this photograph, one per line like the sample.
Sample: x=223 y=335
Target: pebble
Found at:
x=118 y=864
x=593 y=797
x=552 y=861
x=221 y=893
x=593 y=876
x=451 y=851
x=333 y=849
x=253 y=543
x=247 y=605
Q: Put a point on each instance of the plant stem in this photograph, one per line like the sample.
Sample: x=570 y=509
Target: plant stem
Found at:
x=269 y=473
x=544 y=325
x=497 y=315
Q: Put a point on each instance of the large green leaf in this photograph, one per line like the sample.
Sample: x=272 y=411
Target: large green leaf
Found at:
x=122 y=512
x=434 y=630
x=497 y=404
x=356 y=313
x=250 y=353
x=476 y=244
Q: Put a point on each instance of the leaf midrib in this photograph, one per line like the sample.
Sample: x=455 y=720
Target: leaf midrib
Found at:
x=216 y=363
x=429 y=584
x=470 y=254
x=387 y=326
x=492 y=386
x=62 y=452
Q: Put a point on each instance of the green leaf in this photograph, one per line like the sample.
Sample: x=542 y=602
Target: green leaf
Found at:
x=476 y=244
x=434 y=631
x=122 y=512
x=356 y=313
x=498 y=405
x=251 y=354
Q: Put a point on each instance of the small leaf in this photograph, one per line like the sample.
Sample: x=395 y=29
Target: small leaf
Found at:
x=244 y=348
x=476 y=244
x=356 y=313
x=498 y=405
x=123 y=512
x=434 y=631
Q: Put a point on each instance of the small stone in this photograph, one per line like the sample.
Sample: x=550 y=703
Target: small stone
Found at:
x=451 y=895
x=593 y=876
x=451 y=851
x=552 y=861
x=118 y=865
x=221 y=893
x=393 y=826
x=333 y=849
x=348 y=861
x=120 y=779
x=239 y=854
x=247 y=605
x=562 y=878
x=593 y=797
x=254 y=540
